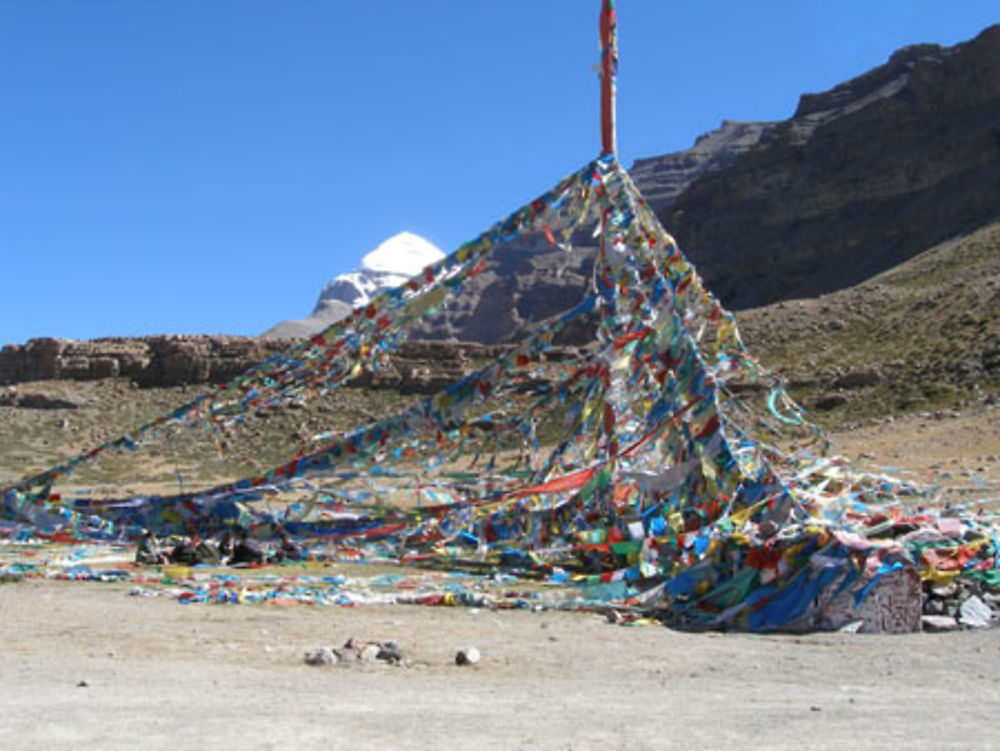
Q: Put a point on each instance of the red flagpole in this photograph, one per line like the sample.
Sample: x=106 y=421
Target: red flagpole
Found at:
x=609 y=69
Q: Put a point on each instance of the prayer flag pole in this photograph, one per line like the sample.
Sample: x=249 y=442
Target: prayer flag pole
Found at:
x=609 y=69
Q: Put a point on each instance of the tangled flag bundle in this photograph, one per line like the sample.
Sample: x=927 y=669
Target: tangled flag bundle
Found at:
x=657 y=463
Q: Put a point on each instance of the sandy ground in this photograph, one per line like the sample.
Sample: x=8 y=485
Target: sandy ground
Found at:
x=163 y=675
x=957 y=454
x=970 y=440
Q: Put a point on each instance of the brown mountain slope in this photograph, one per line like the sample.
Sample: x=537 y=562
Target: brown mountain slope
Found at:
x=921 y=336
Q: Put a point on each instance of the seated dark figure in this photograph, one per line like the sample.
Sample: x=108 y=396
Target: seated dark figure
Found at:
x=184 y=553
x=247 y=551
x=205 y=553
x=288 y=550
x=149 y=553
x=227 y=547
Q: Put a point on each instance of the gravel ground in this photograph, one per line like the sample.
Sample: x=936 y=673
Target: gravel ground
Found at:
x=163 y=675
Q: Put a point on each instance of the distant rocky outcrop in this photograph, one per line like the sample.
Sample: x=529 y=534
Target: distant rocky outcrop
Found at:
x=418 y=367
x=148 y=361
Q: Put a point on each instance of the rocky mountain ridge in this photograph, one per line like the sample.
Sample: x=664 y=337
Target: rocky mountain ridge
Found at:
x=860 y=179
x=662 y=178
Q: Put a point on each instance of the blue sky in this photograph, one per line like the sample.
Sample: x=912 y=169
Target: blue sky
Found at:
x=205 y=166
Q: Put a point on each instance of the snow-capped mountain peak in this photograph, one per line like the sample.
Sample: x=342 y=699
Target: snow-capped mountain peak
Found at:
x=403 y=253
x=389 y=265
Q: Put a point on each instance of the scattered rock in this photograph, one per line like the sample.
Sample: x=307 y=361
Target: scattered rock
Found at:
x=938 y=623
x=322 y=656
x=467 y=656
x=975 y=613
x=355 y=651
x=945 y=591
x=390 y=651
x=347 y=654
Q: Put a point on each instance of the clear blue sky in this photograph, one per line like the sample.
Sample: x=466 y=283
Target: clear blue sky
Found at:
x=205 y=166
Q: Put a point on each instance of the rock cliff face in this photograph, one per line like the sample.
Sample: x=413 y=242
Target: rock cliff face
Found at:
x=861 y=178
x=525 y=282
x=663 y=178
x=149 y=361
x=418 y=367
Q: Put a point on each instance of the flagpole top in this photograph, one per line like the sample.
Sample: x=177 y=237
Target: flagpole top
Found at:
x=608 y=73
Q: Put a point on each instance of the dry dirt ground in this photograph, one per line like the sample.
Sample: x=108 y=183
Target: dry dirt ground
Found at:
x=163 y=675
